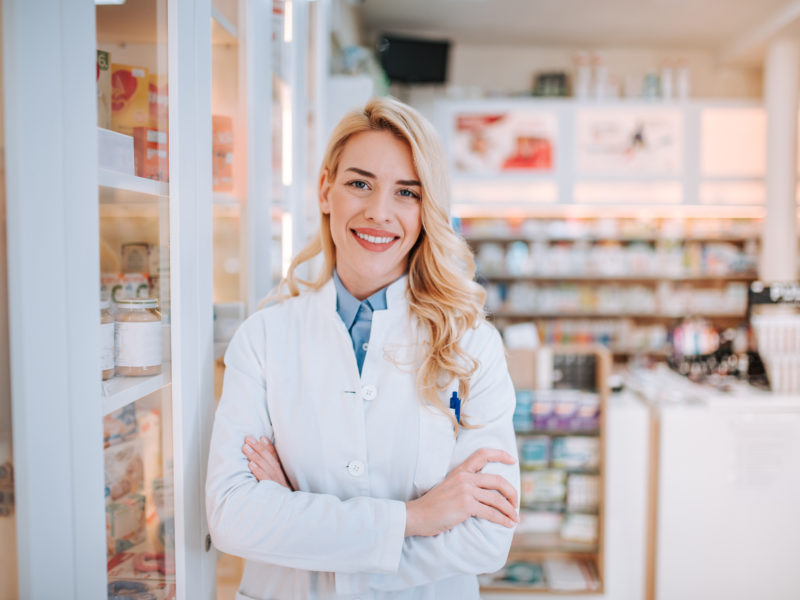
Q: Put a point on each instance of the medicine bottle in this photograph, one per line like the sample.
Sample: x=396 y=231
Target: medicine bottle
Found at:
x=138 y=337
x=106 y=340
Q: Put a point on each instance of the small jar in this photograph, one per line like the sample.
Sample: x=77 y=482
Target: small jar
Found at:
x=138 y=337
x=107 y=357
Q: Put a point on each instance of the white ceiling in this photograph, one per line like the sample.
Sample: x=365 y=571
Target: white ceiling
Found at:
x=718 y=25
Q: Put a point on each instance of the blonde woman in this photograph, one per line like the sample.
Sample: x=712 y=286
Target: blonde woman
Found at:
x=338 y=467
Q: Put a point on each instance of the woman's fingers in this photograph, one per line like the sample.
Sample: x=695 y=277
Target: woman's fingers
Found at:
x=480 y=458
x=263 y=454
x=484 y=511
x=498 y=483
x=505 y=512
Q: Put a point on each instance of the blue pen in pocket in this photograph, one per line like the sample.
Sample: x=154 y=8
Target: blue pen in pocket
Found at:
x=455 y=403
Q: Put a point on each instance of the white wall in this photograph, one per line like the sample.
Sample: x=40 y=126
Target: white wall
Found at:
x=511 y=68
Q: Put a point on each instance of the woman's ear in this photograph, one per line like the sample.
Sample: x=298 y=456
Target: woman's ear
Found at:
x=324 y=191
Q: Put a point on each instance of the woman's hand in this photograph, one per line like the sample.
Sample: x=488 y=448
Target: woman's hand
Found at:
x=263 y=461
x=465 y=493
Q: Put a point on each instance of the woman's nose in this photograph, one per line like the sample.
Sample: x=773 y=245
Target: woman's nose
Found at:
x=379 y=207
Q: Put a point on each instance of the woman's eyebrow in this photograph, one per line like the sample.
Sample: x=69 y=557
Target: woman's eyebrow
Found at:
x=372 y=176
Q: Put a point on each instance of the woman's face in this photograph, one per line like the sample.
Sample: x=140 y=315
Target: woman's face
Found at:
x=374 y=208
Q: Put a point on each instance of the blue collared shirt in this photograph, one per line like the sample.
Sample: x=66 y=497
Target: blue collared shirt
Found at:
x=357 y=316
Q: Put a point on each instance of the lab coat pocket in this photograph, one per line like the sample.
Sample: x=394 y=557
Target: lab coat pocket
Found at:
x=435 y=449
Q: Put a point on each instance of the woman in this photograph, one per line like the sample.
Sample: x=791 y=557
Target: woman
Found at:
x=337 y=467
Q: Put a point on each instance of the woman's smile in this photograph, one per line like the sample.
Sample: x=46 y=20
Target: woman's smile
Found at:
x=375 y=240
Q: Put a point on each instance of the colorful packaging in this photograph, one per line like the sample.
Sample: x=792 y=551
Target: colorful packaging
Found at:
x=576 y=452
x=120 y=425
x=124 y=470
x=535 y=452
x=547 y=485
x=125 y=523
x=130 y=100
x=222 y=149
x=151 y=153
x=136 y=257
x=158 y=99
x=103 y=79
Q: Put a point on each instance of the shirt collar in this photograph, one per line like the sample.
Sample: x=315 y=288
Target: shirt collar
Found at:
x=347 y=305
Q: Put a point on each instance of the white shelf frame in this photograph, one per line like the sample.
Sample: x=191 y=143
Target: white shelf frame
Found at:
x=122 y=391
x=125 y=182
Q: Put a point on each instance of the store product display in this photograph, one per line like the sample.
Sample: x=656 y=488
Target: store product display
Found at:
x=138 y=337
x=778 y=338
x=561 y=574
x=139 y=524
x=106 y=340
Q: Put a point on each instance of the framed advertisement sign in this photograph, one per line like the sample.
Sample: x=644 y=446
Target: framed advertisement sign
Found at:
x=504 y=141
x=629 y=142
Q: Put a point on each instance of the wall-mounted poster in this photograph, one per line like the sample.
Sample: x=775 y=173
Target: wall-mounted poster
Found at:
x=635 y=141
x=504 y=141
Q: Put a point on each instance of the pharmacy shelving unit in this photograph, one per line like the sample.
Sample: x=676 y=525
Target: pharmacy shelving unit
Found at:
x=60 y=205
x=536 y=547
x=664 y=294
x=680 y=172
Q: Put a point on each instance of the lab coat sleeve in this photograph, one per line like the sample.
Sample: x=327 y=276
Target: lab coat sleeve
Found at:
x=476 y=545
x=266 y=522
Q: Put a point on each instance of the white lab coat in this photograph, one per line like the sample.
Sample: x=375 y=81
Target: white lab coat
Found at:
x=356 y=448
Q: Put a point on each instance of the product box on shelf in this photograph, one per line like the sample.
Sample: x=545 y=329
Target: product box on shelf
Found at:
x=222 y=151
x=138 y=257
x=124 y=469
x=130 y=98
x=158 y=97
x=151 y=153
x=103 y=89
x=120 y=426
x=125 y=523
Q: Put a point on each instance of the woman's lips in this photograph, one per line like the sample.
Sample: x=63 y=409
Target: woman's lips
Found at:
x=374 y=239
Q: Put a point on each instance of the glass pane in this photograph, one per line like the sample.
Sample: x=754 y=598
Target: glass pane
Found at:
x=8 y=532
x=133 y=159
x=229 y=174
x=281 y=130
x=229 y=180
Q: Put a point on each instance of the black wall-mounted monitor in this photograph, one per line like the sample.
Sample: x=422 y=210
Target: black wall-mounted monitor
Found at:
x=411 y=60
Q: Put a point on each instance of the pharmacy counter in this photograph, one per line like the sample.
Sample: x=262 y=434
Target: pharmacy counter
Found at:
x=725 y=496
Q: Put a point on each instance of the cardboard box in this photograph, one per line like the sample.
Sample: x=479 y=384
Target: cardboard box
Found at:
x=130 y=98
x=222 y=149
x=151 y=153
x=158 y=99
x=103 y=78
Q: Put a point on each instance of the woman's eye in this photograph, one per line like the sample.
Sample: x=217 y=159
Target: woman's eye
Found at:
x=409 y=193
x=358 y=184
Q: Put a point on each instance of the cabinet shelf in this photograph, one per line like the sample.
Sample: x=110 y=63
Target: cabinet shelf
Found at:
x=558 y=432
x=121 y=391
x=118 y=187
x=623 y=278
x=550 y=542
x=556 y=506
x=222 y=31
x=507 y=239
x=609 y=315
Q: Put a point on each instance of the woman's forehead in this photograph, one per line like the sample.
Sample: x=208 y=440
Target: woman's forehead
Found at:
x=380 y=152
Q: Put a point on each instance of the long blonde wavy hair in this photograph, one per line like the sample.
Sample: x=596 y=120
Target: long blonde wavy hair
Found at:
x=444 y=300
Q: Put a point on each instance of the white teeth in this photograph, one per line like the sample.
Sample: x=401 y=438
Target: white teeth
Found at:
x=373 y=239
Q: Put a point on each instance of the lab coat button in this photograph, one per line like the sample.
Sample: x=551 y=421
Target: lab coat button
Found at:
x=355 y=468
x=369 y=392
